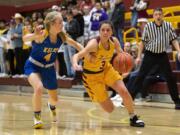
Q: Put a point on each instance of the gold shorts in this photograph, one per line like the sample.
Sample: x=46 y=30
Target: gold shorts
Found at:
x=95 y=83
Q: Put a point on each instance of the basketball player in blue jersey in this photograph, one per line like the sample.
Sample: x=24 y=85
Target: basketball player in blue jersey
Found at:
x=99 y=73
x=40 y=65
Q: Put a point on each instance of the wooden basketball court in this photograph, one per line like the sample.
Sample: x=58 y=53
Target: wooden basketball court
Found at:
x=79 y=117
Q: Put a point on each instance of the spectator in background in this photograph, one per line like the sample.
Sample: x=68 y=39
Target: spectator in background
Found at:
x=72 y=28
x=177 y=62
x=97 y=16
x=10 y=49
x=3 y=40
x=18 y=43
x=63 y=12
x=107 y=8
x=27 y=29
x=86 y=16
x=56 y=8
x=78 y=16
x=34 y=16
x=141 y=7
x=127 y=47
x=71 y=2
x=118 y=20
x=134 y=51
x=134 y=13
x=84 y=3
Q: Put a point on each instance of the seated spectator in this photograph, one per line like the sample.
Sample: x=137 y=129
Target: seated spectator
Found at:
x=127 y=47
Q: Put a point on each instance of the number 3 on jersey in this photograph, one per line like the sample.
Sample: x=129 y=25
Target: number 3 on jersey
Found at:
x=102 y=64
x=47 y=57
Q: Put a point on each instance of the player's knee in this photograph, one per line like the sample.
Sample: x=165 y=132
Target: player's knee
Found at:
x=38 y=90
x=124 y=93
x=109 y=109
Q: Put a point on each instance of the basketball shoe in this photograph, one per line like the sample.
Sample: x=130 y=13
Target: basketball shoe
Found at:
x=37 y=121
x=135 y=122
x=52 y=112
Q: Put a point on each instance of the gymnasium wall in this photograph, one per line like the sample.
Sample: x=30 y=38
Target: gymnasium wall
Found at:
x=7 y=11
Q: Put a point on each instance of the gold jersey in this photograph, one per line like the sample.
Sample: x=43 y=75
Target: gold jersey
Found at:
x=102 y=57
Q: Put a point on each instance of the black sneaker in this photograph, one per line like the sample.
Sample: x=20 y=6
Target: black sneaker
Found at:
x=177 y=106
x=135 y=122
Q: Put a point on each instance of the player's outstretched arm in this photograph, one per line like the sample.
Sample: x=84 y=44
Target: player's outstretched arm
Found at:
x=91 y=47
x=65 y=38
x=36 y=36
x=73 y=43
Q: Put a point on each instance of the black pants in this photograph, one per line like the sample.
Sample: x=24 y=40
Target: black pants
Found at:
x=62 y=65
x=150 y=60
x=19 y=60
x=10 y=58
x=26 y=53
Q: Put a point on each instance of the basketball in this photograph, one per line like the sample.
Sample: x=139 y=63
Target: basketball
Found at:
x=123 y=62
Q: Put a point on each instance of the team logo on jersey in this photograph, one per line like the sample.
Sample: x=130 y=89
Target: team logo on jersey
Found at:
x=50 y=50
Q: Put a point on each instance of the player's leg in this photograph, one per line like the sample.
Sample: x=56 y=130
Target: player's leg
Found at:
x=96 y=89
x=35 y=81
x=114 y=80
x=53 y=99
x=128 y=102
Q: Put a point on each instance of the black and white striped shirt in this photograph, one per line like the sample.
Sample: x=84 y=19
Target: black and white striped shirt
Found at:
x=157 y=38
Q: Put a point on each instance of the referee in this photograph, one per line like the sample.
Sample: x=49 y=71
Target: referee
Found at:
x=156 y=37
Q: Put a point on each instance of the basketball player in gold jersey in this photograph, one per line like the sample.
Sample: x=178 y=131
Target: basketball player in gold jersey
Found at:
x=98 y=72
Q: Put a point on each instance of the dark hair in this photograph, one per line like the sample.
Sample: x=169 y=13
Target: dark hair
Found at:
x=158 y=9
x=106 y=22
x=69 y=12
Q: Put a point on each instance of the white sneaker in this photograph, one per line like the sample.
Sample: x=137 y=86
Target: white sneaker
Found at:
x=15 y=76
x=118 y=103
x=4 y=75
x=52 y=113
x=38 y=124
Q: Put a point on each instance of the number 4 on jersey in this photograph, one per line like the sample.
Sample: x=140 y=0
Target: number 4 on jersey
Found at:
x=47 y=57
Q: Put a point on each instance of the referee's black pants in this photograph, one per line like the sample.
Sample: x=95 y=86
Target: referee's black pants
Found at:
x=149 y=61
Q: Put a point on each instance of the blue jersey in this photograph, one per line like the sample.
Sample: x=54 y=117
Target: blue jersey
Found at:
x=46 y=51
x=41 y=60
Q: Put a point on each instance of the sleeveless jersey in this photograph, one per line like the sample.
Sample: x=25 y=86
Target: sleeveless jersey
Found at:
x=103 y=56
x=46 y=51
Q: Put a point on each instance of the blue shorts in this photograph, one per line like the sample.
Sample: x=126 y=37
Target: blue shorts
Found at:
x=48 y=75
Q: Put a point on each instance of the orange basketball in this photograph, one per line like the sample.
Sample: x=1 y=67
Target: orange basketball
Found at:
x=123 y=62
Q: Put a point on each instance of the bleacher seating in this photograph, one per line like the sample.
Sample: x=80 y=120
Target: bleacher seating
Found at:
x=171 y=14
x=161 y=87
x=174 y=10
x=62 y=83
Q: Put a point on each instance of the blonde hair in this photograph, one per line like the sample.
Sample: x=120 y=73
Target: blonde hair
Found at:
x=50 y=18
